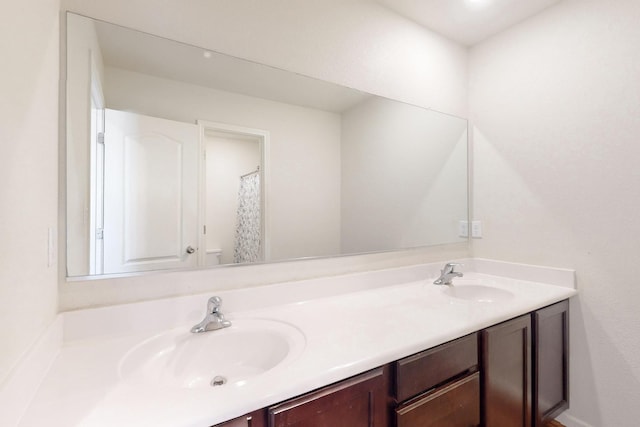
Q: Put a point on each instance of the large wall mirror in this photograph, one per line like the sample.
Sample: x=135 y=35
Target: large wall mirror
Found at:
x=180 y=157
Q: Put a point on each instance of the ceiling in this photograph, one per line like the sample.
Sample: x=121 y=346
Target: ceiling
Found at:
x=467 y=21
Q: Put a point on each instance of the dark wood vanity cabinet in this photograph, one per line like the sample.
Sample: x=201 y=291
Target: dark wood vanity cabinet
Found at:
x=525 y=368
x=506 y=373
x=551 y=362
x=514 y=374
x=360 y=401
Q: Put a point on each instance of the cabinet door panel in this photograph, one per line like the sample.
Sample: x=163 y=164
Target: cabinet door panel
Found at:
x=360 y=401
x=454 y=405
x=506 y=368
x=551 y=360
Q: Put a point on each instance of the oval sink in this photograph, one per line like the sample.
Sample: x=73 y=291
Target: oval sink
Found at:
x=179 y=358
x=478 y=293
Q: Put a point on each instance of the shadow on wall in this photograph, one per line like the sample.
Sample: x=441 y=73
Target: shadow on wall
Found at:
x=538 y=202
x=592 y=346
x=581 y=400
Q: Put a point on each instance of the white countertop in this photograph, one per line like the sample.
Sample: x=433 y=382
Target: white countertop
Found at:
x=348 y=329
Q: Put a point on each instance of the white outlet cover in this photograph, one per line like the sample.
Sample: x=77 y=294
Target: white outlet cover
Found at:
x=476 y=229
x=463 y=228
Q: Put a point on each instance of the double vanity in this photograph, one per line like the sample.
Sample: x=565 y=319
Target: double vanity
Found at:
x=380 y=348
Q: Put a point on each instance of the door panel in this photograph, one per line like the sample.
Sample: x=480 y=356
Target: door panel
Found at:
x=551 y=362
x=151 y=191
x=506 y=368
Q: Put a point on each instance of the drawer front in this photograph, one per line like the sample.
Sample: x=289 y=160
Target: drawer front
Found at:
x=357 y=402
x=454 y=405
x=420 y=372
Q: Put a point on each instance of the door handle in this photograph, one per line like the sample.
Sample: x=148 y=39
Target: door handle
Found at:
x=190 y=250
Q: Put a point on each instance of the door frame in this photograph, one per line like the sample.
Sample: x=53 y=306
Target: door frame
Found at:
x=263 y=137
x=96 y=172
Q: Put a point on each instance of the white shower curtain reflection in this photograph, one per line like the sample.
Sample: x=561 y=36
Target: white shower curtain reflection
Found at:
x=248 y=227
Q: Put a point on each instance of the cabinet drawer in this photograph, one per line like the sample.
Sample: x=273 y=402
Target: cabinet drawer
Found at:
x=357 y=402
x=420 y=372
x=454 y=405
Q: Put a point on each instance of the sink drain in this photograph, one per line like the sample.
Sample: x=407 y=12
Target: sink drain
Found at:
x=218 y=381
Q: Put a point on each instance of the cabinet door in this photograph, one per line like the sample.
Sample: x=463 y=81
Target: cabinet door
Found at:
x=359 y=401
x=506 y=374
x=453 y=405
x=551 y=361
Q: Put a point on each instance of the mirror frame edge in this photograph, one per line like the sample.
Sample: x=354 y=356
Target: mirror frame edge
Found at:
x=62 y=151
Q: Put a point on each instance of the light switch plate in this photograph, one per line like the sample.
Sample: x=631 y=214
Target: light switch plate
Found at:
x=476 y=229
x=463 y=228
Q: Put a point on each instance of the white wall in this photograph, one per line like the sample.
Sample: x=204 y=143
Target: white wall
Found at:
x=28 y=173
x=356 y=44
x=303 y=170
x=403 y=176
x=556 y=106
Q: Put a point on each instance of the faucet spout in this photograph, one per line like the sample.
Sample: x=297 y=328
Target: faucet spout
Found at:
x=448 y=273
x=213 y=319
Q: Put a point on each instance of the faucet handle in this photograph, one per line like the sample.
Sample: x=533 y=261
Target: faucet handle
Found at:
x=450 y=267
x=213 y=305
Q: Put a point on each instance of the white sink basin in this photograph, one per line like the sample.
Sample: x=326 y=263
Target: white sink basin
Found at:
x=478 y=293
x=179 y=358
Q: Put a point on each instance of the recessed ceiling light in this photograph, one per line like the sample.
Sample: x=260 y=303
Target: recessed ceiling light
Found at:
x=207 y=54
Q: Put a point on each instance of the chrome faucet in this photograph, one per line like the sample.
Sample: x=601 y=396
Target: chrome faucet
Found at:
x=448 y=273
x=213 y=319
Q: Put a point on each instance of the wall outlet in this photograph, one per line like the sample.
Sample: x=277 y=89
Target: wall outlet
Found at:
x=476 y=229
x=463 y=228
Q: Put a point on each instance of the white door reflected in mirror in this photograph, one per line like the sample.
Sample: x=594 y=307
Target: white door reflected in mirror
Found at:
x=160 y=202
x=150 y=193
